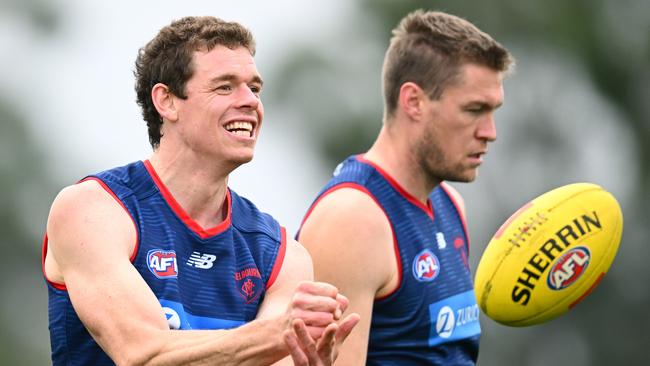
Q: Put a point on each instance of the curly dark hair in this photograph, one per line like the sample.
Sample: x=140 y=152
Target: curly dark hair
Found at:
x=428 y=49
x=167 y=59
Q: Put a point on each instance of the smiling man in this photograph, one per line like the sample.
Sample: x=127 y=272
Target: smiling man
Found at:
x=386 y=229
x=135 y=253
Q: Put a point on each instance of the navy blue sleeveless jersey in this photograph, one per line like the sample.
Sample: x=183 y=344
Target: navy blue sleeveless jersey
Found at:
x=204 y=279
x=432 y=317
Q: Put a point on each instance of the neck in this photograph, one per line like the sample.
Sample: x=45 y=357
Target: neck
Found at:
x=392 y=152
x=198 y=186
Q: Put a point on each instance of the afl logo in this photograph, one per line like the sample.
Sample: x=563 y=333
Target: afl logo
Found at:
x=426 y=266
x=568 y=268
x=162 y=263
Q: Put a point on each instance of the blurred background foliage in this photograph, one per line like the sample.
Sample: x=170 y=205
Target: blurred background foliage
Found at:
x=577 y=109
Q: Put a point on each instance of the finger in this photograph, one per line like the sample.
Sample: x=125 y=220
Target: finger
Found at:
x=305 y=341
x=325 y=345
x=346 y=326
x=316 y=332
x=343 y=303
x=307 y=301
x=313 y=318
x=297 y=355
x=318 y=288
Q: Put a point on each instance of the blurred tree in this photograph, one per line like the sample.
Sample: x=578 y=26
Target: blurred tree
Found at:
x=334 y=88
x=26 y=190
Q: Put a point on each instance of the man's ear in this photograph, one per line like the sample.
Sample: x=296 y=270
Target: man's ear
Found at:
x=410 y=100
x=163 y=100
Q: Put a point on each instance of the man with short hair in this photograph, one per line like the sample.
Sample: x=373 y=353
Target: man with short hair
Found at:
x=134 y=253
x=386 y=229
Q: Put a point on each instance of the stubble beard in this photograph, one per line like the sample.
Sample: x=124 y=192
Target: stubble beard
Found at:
x=435 y=165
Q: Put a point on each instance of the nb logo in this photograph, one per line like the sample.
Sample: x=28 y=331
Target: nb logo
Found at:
x=440 y=239
x=201 y=260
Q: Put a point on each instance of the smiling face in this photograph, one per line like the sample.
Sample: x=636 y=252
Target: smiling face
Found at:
x=222 y=114
x=457 y=127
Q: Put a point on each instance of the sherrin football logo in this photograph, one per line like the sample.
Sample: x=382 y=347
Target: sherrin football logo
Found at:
x=549 y=255
x=162 y=263
x=568 y=268
x=426 y=266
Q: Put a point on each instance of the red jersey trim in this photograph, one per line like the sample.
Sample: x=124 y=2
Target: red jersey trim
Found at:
x=56 y=285
x=461 y=215
x=182 y=214
x=62 y=286
x=428 y=208
x=279 y=259
x=398 y=258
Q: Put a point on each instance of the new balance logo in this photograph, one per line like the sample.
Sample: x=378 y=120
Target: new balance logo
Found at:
x=201 y=260
x=440 y=238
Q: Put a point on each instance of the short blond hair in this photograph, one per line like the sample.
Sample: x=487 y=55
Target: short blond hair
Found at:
x=428 y=49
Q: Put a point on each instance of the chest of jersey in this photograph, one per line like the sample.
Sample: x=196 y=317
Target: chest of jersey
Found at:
x=432 y=316
x=201 y=284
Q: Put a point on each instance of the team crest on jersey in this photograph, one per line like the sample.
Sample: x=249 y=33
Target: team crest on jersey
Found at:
x=426 y=266
x=568 y=268
x=249 y=283
x=162 y=263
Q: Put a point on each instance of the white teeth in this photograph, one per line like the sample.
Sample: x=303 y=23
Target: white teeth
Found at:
x=240 y=128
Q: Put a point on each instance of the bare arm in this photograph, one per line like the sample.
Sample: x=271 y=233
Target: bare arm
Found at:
x=119 y=309
x=351 y=243
x=297 y=268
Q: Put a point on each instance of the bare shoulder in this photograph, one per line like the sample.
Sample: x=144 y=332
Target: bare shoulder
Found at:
x=86 y=215
x=347 y=208
x=297 y=264
x=455 y=196
x=346 y=233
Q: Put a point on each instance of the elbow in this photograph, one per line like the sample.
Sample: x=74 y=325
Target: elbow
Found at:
x=135 y=356
x=129 y=359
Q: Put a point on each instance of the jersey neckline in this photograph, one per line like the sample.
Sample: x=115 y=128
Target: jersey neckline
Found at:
x=203 y=233
x=427 y=208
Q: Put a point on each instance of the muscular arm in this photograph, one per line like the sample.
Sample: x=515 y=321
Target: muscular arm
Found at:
x=351 y=243
x=90 y=242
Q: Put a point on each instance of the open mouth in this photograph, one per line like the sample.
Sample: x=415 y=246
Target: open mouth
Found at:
x=240 y=128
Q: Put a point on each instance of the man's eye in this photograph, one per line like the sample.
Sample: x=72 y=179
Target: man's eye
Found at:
x=224 y=88
x=476 y=110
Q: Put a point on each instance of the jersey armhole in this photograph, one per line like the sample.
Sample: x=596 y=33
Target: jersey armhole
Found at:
x=62 y=286
x=461 y=215
x=279 y=258
x=135 y=226
x=360 y=188
x=56 y=285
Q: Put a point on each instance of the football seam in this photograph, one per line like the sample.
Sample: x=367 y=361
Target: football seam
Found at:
x=487 y=288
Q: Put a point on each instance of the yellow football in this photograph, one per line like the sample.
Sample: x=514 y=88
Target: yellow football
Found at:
x=549 y=255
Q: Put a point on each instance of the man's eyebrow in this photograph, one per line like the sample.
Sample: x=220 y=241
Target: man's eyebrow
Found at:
x=484 y=104
x=232 y=77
